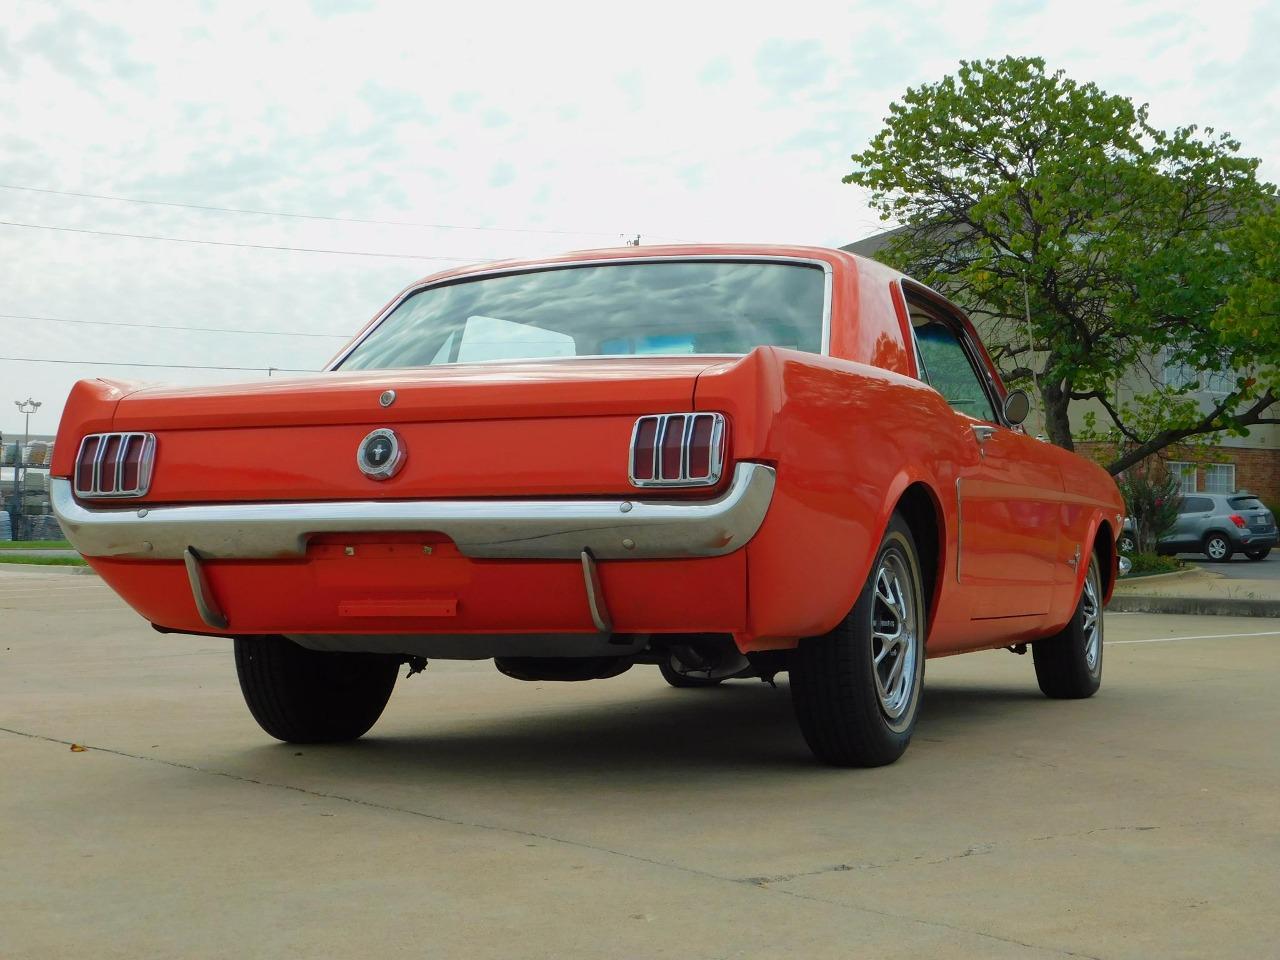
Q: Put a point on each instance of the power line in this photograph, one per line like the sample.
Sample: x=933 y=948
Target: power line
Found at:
x=167 y=366
x=164 y=326
x=304 y=216
x=229 y=243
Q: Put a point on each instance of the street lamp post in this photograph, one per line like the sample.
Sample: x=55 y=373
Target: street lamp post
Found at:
x=26 y=407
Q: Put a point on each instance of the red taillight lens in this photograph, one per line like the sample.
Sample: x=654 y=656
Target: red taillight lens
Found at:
x=672 y=449
x=644 y=449
x=84 y=463
x=131 y=462
x=677 y=450
x=701 y=437
x=1239 y=521
x=110 y=462
x=115 y=465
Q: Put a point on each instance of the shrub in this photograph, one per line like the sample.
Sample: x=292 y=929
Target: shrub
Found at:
x=1153 y=563
x=1151 y=496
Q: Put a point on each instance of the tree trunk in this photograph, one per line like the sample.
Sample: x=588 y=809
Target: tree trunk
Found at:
x=1057 y=423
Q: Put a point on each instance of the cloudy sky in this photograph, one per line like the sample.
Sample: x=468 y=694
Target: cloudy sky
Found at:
x=552 y=126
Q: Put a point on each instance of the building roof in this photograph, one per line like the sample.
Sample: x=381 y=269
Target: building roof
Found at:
x=872 y=245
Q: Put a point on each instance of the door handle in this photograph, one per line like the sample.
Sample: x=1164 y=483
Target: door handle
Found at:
x=983 y=432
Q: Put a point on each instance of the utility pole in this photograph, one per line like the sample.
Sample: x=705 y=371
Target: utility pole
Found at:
x=27 y=407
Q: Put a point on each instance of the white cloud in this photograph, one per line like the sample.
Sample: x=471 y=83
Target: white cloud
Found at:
x=723 y=121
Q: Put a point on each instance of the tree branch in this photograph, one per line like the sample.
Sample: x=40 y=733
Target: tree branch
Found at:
x=1209 y=424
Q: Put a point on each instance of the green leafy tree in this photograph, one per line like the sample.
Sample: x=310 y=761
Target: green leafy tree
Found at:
x=1021 y=191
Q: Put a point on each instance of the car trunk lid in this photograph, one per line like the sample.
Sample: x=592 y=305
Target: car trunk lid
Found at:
x=528 y=428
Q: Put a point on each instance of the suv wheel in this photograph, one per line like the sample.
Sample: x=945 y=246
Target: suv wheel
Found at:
x=1126 y=544
x=1217 y=547
x=856 y=690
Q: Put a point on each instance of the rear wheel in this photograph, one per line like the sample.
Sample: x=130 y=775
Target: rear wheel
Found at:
x=1126 y=544
x=856 y=690
x=1069 y=664
x=309 y=696
x=1217 y=547
x=1258 y=554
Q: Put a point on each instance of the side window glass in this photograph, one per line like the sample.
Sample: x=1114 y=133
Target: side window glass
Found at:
x=1196 y=505
x=947 y=369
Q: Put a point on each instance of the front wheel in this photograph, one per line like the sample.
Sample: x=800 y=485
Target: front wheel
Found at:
x=1217 y=547
x=1258 y=554
x=310 y=696
x=856 y=690
x=1126 y=544
x=1069 y=664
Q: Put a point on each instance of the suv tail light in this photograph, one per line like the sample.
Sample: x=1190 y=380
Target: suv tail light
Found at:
x=677 y=450
x=1239 y=521
x=115 y=465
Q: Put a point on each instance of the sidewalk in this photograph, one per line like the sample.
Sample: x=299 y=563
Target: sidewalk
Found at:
x=1197 y=591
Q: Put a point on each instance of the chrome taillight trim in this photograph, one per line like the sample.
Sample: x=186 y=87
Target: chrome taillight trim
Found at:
x=715 y=459
x=146 y=460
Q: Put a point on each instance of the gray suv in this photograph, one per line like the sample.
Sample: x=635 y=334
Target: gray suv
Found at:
x=1217 y=525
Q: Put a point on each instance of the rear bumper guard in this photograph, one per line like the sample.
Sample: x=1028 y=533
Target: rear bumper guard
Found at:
x=484 y=529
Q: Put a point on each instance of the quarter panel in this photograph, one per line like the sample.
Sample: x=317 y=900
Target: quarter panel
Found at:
x=846 y=439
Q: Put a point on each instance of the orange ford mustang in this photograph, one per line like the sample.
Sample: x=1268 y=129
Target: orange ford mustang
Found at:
x=727 y=461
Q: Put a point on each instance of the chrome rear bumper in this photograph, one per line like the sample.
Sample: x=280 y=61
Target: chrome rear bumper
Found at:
x=531 y=529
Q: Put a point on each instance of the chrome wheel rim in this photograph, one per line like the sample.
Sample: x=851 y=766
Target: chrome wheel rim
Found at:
x=895 y=637
x=1091 y=620
x=1217 y=548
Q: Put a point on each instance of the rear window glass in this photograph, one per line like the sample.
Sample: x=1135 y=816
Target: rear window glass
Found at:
x=616 y=309
x=1247 y=503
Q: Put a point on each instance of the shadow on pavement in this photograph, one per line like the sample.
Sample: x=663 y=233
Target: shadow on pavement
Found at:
x=735 y=726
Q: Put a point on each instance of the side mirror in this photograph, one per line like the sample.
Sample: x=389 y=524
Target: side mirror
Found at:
x=1016 y=407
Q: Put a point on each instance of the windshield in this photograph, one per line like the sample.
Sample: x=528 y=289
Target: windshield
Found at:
x=622 y=309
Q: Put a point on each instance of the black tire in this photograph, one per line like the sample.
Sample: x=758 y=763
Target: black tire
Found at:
x=835 y=687
x=1258 y=554
x=1126 y=544
x=1217 y=548
x=309 y=696
x=684 y=681
x=1065 y=667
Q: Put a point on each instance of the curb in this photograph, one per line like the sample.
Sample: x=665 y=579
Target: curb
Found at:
x=1197 y=606
x=42 y=569
x=1163 y=577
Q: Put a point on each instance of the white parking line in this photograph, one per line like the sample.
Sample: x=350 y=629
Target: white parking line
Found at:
x=1211 y=636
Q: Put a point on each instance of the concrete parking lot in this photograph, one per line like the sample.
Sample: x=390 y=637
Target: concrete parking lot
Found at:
x=484 y=817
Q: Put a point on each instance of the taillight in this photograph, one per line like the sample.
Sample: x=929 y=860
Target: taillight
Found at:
x=115 y=464
x=1239 y=521
x=677 y=450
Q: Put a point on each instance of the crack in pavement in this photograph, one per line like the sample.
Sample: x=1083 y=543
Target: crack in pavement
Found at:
x=977 y=851
x=756 y=883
